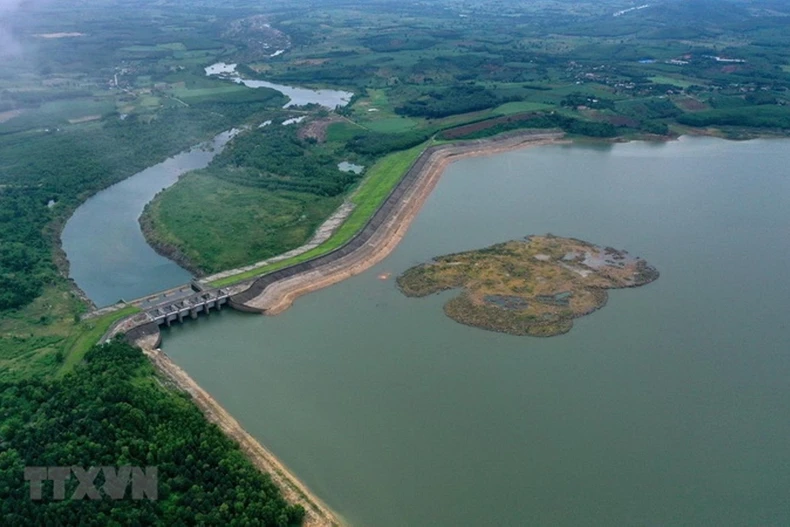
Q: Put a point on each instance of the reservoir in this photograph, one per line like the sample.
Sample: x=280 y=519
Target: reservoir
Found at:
x=667 y=407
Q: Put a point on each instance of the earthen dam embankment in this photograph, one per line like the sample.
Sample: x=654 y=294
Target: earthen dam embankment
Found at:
x=274 y=292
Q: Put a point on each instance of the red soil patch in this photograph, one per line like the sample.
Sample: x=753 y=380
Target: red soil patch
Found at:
x=691 y=105
x=317 y=129
x=467 y=129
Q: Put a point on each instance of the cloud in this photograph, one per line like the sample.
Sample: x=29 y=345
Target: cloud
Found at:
x=8 y=45
x=7 y=6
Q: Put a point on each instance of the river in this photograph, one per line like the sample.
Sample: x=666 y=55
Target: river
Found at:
x=667 y=407
x=298 y=96
x=109 y=258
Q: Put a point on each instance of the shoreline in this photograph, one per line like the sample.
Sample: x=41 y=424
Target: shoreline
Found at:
x=274 y=297
x=317 y=513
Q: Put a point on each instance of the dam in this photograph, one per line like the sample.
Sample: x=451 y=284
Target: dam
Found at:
x=178 y=304
x=175 y=305
x=200 y=302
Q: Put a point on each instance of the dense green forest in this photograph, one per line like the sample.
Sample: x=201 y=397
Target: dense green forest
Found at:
x=111 y=411
x=377 y=144
x=451 y=101
x=760 y=117
x=274 y=158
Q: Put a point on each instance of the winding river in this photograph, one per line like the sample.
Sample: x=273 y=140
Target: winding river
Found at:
x=109 y=258
x=667 y=407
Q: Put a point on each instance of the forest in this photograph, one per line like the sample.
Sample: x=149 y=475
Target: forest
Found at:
x=451 y=101
x=112 y=411
x=274 y=158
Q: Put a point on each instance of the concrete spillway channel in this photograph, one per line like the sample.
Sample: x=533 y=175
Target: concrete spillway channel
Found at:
x=163 y=309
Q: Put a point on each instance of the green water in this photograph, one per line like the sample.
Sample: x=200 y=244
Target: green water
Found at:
x=668 y=407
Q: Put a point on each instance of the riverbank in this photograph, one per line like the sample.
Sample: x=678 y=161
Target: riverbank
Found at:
x=274 y=293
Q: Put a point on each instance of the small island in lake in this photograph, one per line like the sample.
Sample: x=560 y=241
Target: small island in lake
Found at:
x=535 y=286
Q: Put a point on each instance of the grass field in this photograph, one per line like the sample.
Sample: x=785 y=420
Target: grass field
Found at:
x=377 y=113
x=58 y=113
x=519 y=107
x=680 y=83
x=381 y=179
x=87 y=334
x=392 y=124
x=220 y=225
x=45 y=338
x=342 y=131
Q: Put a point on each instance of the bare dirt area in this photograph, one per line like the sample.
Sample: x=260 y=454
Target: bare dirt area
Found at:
x=317 y=129
x=10 y=114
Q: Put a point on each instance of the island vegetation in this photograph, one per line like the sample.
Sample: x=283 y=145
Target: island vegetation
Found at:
x=535 y=286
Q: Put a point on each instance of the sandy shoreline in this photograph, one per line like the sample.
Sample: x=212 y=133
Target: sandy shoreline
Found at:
x=317 y=514
x=279 y=296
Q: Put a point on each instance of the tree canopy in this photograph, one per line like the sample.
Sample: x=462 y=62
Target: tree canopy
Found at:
x=111 y=411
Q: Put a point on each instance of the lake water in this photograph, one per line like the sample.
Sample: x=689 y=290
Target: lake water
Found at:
x=667 y=407
x=345 y=166
x=108 y=256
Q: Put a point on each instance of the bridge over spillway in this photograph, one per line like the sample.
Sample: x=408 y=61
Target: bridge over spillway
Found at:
x=175 y=305
x=200 y=302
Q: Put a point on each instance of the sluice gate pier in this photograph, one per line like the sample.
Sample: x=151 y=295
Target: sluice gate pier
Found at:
x=203 y=301
x=179 y=304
